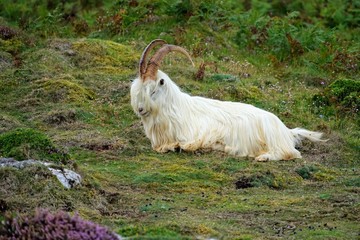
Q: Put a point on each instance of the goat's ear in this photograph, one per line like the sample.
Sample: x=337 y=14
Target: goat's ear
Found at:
x=162 y=82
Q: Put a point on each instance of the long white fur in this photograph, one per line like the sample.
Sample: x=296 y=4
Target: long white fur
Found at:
x=173 y=119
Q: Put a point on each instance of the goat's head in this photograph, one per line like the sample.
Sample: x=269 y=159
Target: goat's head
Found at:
x=151 y=88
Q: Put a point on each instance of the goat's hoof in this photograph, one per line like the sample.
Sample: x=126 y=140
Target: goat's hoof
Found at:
x=263 y=158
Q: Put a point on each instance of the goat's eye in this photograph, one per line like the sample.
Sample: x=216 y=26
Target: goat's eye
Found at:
x=161 y=81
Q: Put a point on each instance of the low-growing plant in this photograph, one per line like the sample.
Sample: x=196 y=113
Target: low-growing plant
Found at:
x=306 y=171
x=52 y=226
x=26 y=143
x=343 y=95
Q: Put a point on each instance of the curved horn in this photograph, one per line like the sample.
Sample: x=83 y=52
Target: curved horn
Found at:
x=150 y=46
x=155 y=61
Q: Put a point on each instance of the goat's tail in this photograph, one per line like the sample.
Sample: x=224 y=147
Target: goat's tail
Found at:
x=300 y=134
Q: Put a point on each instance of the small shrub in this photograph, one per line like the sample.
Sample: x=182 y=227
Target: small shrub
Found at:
x=341 y=89
x=306 y=172
x=45 y=225
x=343 y=95
x=23 y=143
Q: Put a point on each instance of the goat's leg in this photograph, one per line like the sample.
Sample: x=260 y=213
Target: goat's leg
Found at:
x=166 y=147
x=191 y=146
x=269 y=156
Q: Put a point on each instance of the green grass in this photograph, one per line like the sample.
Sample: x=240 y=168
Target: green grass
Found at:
x=70 y=84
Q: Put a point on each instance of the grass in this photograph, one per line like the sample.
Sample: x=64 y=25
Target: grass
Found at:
x=73 y=90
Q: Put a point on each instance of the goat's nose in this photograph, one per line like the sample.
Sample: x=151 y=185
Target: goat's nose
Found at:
x=140 y=109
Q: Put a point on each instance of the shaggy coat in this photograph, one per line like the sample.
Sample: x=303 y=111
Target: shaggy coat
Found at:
x=173 y=119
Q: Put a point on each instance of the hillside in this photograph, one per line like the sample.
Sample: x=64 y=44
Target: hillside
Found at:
x=66 y=71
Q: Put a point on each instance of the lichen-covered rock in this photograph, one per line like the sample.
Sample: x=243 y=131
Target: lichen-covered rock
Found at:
x=11 y=162
x=67 y=178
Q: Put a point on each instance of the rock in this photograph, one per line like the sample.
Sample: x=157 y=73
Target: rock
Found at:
x=67 y=178
x=10 y=162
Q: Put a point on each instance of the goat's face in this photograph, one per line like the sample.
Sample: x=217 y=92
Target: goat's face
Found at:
x=152 y=89
x=147 y=96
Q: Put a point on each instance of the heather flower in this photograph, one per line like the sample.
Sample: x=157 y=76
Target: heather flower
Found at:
x=44 y=225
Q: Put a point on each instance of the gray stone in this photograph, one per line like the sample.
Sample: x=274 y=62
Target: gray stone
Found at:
x=67 y=178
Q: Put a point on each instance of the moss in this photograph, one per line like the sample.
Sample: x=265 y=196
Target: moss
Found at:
x=312 y=172
x=323 y=176
x=25 y=143
x=202 y=229
x=63 y=89
x=105 y=56
x=285 y=180
x=44 y=62
x=248 y=93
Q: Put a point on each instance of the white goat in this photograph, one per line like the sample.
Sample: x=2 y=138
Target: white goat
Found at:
x=173 y=119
